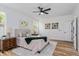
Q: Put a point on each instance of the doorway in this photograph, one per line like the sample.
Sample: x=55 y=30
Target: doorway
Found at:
x=74 y=33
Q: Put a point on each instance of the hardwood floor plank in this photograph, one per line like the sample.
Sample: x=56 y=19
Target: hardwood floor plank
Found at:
x=1 y=54
x=65 y=49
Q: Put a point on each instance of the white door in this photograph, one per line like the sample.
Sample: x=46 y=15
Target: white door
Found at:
x=75 y=33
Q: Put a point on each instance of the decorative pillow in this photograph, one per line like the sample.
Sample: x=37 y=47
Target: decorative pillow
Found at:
x=24 y=34
x=19 y=35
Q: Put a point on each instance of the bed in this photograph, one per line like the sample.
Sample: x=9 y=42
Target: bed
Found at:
x=36 y=46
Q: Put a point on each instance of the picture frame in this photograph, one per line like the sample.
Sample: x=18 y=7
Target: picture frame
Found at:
x=23 y=23
x=47 y=26
x=55 y=25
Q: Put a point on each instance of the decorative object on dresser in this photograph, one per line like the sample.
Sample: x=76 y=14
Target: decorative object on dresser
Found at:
x=7 y=44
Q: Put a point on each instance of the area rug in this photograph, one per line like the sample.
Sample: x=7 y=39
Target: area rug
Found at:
x=48 y=51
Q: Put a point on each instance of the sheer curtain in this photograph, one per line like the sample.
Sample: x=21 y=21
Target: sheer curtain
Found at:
x=2 y=24
x=1 y=31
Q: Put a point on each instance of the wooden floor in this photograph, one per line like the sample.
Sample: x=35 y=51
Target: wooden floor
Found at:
x=62 y=49
x=65 y=49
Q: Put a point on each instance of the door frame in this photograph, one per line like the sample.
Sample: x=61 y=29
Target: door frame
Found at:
x=76 y=33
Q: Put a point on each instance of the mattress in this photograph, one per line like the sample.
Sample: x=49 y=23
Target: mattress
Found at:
x=35 y=45
x=48 y=51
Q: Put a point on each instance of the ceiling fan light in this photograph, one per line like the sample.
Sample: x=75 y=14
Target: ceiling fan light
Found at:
x=42 y=13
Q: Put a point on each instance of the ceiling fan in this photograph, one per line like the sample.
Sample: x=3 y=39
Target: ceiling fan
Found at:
x=42 y=10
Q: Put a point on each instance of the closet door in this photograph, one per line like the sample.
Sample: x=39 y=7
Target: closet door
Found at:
x=75 y=34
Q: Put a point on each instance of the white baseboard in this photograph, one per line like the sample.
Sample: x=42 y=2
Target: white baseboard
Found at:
x=60 y=40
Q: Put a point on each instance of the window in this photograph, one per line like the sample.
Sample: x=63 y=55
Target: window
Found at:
x=2 y=24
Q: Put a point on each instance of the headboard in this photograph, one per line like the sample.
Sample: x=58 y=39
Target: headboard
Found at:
x=22 y=32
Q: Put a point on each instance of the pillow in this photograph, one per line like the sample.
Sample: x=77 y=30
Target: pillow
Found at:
x=24 y=35
x=18 y=35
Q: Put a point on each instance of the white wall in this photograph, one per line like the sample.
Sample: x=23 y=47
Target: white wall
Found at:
x=14 y=17
x=62 y=33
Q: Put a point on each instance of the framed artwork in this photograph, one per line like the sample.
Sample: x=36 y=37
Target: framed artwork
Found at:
x=47 y=26
x=55 y=25
x=23 y=23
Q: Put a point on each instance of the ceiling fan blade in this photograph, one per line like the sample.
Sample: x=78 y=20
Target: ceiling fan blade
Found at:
x=47 y=9
x=36 y=11
x=45 y=12
x=39 y=7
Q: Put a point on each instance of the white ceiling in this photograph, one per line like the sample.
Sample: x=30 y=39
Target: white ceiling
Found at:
x=58 y=9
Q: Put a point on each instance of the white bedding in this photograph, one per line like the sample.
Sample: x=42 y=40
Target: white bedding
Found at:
x=48 y=51
x=35 y=45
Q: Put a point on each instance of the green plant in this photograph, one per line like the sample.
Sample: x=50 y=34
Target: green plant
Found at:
x=1 y=18
x=24 y=23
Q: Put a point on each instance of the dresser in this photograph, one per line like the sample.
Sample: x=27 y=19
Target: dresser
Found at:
x=7 y=44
